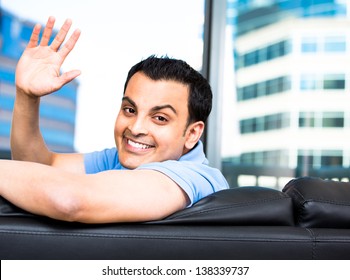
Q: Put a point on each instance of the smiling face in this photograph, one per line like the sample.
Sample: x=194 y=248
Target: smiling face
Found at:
x=152 y=123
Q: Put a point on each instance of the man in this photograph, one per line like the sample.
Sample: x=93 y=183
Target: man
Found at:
x=158 y=166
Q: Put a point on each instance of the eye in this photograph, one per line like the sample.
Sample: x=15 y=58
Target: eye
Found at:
x=160 y=119
x=129 y=110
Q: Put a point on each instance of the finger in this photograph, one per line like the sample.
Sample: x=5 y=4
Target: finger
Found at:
x=69 y=45
x=34 y=38
x=61 y=35
x=47 y=31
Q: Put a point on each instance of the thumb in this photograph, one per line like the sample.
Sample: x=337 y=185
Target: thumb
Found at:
x=68 y=76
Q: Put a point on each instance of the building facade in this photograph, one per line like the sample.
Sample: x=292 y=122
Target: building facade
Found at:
x=57 y=111
x=292 y=76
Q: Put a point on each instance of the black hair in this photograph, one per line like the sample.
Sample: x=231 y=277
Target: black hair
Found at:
x=165 y=68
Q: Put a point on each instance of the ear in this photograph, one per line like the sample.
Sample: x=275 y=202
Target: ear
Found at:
x=193 y=134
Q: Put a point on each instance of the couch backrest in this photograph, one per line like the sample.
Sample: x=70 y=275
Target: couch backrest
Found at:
x=305 y=202
x=238 y=206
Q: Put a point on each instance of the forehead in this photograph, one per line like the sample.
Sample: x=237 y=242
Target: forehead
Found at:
x=147 y=92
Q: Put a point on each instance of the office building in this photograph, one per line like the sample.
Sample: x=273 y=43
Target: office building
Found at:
x=293 y=93
x=292 y=76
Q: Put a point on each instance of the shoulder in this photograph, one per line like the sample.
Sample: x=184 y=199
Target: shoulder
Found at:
x=196 y=179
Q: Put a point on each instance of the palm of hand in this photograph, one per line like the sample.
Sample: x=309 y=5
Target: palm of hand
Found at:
x=38 y=71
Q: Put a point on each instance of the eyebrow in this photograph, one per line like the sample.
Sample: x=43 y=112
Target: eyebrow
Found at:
x=158 y=108
x=154 y=109
x=125 y=98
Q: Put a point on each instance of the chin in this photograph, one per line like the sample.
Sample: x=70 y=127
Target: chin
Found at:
x=130 y=164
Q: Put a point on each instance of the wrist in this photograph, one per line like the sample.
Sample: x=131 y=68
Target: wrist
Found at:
x=25 y=102
x=22 y=94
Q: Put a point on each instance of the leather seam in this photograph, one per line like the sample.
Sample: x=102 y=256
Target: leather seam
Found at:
x=192 y=238
x=313 y=237
x=327 y=202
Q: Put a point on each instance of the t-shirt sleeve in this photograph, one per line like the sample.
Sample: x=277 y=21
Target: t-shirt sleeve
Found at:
x=197 y=180
x=100 y=161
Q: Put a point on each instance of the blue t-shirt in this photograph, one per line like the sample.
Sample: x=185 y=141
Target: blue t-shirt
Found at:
x=191 y=172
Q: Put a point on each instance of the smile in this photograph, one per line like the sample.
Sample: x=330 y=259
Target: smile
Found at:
x=137 y=145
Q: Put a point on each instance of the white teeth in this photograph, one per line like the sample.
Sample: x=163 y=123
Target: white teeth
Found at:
x=138 y=145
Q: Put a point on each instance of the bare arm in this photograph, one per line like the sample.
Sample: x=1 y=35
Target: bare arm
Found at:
x=111 y=196
x=38 y=74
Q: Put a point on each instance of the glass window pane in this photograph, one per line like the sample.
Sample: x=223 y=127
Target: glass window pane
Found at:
x=309 y=45
x=334 y=81
x=115 y=36
x=306 y=119
x=250 y=59
x=333 y=119
x=335 y=44
x=309 y=82
x=302 y=71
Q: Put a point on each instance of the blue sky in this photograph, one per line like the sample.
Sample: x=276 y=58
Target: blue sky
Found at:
x=116 y=34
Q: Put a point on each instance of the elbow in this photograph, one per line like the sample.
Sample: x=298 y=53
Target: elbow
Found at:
x=66 y=208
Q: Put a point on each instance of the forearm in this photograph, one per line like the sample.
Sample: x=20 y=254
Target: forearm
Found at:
x=111 y=196
x=27 y=142
x=39 y=189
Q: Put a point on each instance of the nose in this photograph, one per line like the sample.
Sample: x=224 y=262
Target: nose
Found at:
x=138 y=126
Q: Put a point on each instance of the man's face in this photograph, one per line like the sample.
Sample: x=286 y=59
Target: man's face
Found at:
x=151 y=124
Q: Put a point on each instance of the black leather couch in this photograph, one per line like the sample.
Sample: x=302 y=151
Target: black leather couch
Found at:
x=309 y=219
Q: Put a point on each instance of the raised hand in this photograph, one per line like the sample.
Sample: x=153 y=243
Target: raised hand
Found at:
x=38 y=70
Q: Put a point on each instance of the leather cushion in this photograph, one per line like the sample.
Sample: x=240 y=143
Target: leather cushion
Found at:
x=320 y=203
x=7 y=209
x=238 y=206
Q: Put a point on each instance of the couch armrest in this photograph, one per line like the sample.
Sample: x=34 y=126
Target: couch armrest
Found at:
x=320 y=203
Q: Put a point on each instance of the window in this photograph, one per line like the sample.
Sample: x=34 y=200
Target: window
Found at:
x=250 y=92
x=272 y=122
x=305 y=159
x=272 y=52
x=264 y=54
x=144 y=28
x=247 y=158
x=309 y=82
x=266 y=158
x=335 y=44
x=265 y=123
x=247 y=126
x=309 y=45
x=251 y=58
x=326 y=82
x=331 y=161
x=319 y=158
x=307 y=119
x=333 y=119
x=273 y=86
x=334 y=81
x=318 y=43
x=328 y=44
x=322 y=119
